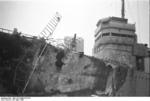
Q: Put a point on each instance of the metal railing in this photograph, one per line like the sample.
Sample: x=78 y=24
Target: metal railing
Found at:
x=11 y=32
x=6 y=30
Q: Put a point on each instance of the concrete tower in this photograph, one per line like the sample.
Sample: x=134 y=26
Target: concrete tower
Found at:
x=114 y=41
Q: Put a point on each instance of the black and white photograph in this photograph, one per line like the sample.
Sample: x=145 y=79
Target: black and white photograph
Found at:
x=74 y=48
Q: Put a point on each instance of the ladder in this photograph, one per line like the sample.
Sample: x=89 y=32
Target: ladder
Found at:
x=50 y=27
x=46 y=33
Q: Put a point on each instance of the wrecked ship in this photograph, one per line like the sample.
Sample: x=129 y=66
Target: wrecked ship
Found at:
x=58 y=71
x=32 y=66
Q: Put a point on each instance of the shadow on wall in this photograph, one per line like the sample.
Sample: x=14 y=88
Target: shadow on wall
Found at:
x=60 y=55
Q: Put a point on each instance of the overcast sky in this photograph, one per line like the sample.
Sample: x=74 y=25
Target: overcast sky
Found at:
x=78 y=16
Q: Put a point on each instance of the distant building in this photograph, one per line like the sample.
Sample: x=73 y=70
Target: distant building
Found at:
x=116 y=42
x=79 y=43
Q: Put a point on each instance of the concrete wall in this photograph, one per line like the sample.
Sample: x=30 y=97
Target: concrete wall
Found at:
x=137 y=84
x=115 y=40
x=140 y=50
x=115 y=24
x=128 y=88
x=119 y=53
x=142 y=83
x=147 y=64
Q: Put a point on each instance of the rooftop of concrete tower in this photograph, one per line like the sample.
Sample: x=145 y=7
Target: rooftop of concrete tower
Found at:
x=108 y=19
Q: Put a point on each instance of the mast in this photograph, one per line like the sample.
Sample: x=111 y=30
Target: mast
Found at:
x=122 y=9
